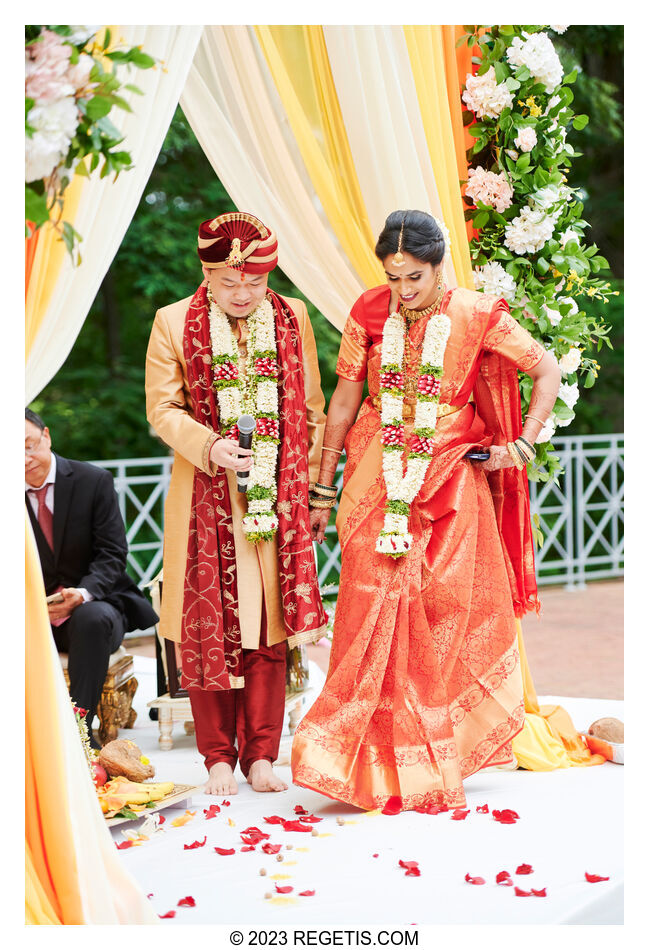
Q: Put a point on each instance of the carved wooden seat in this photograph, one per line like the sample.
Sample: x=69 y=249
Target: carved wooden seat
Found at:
x=115 y=708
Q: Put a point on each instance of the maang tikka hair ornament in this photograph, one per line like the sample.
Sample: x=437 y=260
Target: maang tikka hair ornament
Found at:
x=398 y=260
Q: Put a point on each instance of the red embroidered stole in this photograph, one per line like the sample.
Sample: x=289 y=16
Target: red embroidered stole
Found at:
x=211 y=635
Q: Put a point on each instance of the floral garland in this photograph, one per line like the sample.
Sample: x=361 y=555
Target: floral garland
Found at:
x=71 y=87
x=256 y=395
x=395 y=539
x=529 y=246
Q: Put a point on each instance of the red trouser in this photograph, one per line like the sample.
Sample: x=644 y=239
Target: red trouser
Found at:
x=253 y=714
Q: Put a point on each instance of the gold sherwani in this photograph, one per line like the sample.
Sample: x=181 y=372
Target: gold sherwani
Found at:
x=169 y=411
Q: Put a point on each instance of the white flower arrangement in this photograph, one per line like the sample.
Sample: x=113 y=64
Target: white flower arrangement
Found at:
x=569 y=393
x=391 y=407
x=569 y=362
x=486 y=97
x=527 y=233
x=492 y=278
x=402 y=489
x=256 y=396
x=539 y=55
x=425 y=415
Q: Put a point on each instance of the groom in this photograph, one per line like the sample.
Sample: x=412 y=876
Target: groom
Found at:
x=239 y=575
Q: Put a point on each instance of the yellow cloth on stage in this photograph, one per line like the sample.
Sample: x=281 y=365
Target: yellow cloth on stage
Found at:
x=549 y=739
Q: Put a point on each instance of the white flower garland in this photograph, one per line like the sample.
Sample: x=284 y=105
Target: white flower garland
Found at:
x=395 y=539
x=257 y=395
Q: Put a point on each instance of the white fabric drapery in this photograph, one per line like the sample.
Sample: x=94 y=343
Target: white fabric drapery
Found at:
x=241 y=126
x=106 y=208
x=378 y=100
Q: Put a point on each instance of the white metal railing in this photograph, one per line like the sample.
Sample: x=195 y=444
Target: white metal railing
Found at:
x=581 y=516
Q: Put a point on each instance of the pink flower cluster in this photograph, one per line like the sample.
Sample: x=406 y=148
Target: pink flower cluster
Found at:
x=266 y=366
x=391 y=380
x=268 y=427
x=429 y=385
x=425 y=446
x=225 y=371
x=489 y=188
x=392 y=435
x=48 y=73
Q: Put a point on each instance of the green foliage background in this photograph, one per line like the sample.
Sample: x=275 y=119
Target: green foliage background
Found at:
x=95 y=404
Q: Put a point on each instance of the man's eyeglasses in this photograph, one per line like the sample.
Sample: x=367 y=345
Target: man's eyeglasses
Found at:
x=33 y=447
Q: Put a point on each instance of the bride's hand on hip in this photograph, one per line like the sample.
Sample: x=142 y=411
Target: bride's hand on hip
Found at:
x=499 y=457
x=319 y=518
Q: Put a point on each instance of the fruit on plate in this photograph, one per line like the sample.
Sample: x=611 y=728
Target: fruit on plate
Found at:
x=120 y=792
x=99 y=774
x=123 y=757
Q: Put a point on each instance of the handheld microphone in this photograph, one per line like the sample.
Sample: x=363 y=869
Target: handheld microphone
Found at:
x=246 y=426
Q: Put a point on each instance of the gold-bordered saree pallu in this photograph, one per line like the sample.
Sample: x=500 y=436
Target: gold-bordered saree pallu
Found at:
x=424 y=684
x=212 y=656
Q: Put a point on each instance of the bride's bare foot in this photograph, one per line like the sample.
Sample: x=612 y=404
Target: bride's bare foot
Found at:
x=221 y=780
x=263 y=779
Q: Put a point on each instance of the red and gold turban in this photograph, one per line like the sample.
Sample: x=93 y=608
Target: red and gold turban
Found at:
x=237 y=240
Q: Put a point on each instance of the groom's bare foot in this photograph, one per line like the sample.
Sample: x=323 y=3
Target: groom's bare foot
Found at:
x=221 y=780
x=263 y=779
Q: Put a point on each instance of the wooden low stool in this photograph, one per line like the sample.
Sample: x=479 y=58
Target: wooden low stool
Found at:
x=115 y=708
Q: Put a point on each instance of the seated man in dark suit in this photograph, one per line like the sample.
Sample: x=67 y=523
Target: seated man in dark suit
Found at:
x=82 y=548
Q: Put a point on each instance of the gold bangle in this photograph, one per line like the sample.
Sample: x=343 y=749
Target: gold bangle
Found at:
x=327 y=448
x=327 y=491
x=526 y=448
x=520 y=465
x=322 y=502
x=521 y=454
x=536 y=419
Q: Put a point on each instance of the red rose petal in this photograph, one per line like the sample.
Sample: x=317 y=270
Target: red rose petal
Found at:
x=392 y=806
x=274 y=820
x=521 y=893
x=375 y=855
x=473 y=880
x=504 y=877
x=310 y=818
x=524 y=869
x=283 y=890
x=299 y=810
x=170 y=913
x=269 y=848
x=150 y=895
x=591 y=878
x=161 y=819
x=212 y=811
x=195 y=844
x=249 y=847
x=483 y=809
x=187 y=902
x=295 y=826
x=413 y=872
x=541 y=893
x=125 y=844
x=225 y=803
x=431 y=809
x=306 y=893
x=460 y=814
x=225 y=850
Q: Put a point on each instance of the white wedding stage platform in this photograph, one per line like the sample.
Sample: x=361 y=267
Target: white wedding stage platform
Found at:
x=571 y=822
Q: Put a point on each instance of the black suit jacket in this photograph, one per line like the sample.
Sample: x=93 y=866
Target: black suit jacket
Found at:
x=89 y=541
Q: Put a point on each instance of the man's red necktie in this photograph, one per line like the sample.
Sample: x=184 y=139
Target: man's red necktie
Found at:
x=44 y=515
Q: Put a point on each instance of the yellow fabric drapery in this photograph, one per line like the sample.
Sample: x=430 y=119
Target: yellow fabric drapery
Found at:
x=549 y=739
x=429 y=68
x=321 y=137
x=49 y=258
